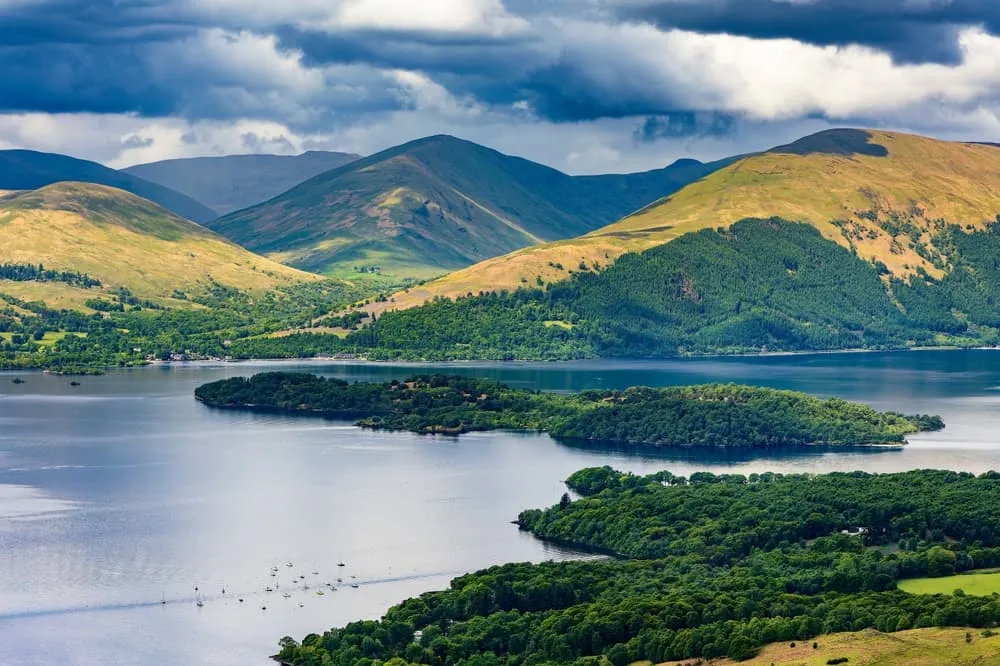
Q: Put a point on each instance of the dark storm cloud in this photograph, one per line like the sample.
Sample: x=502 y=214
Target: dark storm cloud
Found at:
x=684 y=125
x=133 y=56
x=258 y=144
x=92 y=22
x=136 y=141
x=912 y=31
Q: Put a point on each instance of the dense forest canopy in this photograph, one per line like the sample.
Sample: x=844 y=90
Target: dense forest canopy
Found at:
x=712 y=566
x=760 y=285
x=126 y=330
x=711 y=415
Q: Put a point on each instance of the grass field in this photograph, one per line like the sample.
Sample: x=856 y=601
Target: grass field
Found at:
x=49 y=339
x=977 y=584
x=917 y=647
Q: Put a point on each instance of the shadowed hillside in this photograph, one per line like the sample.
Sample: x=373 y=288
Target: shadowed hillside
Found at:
x=232 y=182
x=29 y=170
x=435 y=205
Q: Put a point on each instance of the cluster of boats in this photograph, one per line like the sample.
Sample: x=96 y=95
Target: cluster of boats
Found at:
x=299 y=582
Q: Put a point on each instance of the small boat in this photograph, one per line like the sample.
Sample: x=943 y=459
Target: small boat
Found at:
x=320 y=593
x=286 y=595
x=199 y=603
x=354 y=585
x=17 y=380
x=301 y=604
x=315 y=573
x=288 y=564
x=274 y=573
x=74 y=383
x=269 y=589
x=341 y=564
x=263 y=607
x=241 y=599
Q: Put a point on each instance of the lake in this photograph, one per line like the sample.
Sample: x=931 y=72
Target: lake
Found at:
x=123 y=492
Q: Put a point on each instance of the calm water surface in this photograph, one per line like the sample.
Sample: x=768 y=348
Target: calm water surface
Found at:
x=124 y=492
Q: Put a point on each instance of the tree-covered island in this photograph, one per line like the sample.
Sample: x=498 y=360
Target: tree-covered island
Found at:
x=725 y=415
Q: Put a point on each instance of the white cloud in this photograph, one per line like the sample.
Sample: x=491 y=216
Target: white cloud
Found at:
x=467 y=17
x=771 y=79
x=458 y=16
x=418 y=91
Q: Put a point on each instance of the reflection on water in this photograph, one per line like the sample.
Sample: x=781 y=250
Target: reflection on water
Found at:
x=714 y=457
x=124 y=492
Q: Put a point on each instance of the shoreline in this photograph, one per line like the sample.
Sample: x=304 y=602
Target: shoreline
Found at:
x=360 y=361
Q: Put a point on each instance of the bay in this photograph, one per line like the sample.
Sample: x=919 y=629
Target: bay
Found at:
x=123 y=492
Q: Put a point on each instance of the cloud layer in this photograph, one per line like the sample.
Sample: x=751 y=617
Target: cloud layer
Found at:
x=615 y=83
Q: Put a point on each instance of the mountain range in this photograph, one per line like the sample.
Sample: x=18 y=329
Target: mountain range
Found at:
x=438 y=204
x=847 y=238
x=231 y=182
x=29 y=170
x=857 y=187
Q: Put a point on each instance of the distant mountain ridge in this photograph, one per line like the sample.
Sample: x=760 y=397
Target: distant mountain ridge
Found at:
x=437 y=204
x=232 y=182
x=30 y=170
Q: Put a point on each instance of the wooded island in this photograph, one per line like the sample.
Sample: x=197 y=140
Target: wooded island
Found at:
x=723 y=415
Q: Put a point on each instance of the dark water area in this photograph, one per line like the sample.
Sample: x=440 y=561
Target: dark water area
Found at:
x=123 y=492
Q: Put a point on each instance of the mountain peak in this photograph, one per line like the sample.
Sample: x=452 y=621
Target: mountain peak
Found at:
x=30 y=169
x=684 y=162
x=837 y=141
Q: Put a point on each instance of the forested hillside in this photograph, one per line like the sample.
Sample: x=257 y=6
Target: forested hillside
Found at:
x=760 y=285
x=713 y=566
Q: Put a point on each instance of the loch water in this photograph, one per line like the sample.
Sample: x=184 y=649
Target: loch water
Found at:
x=124 y=492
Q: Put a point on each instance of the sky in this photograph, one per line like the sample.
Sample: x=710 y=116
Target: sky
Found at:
x=586 y=86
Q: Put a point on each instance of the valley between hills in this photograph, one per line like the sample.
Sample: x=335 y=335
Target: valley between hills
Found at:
x=440 y=249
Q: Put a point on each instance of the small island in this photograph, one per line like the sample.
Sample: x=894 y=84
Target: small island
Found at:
x=713 y=415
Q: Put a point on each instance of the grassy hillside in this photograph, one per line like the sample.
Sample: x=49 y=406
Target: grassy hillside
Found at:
x=230 y=183
x=29 y=170
x=916 y=647
x=881 y=194
x=436 y=205
x=122 y=241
